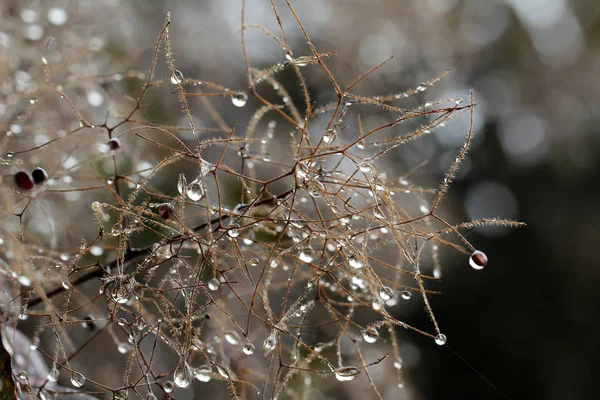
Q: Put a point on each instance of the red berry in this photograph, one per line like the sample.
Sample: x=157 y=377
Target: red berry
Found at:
x=24 y=180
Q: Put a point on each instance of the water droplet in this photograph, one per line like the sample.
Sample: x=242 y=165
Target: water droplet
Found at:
x=440 y=339
x=122 y=291
x=239 y=99
x=44 y=61
x=10 y=154
x=120 y=394
x=344 y=374
x=303 y=61
x=113 y=144
x=195 y=191
x=354 y=262
x=302 y=170
x=213 y=284
x=478 y=260
x=398 y=364
x=77 y=379
x=203 y=372
x=248 y=349
x=183 y=375
x=223 y=371
x=233 y=231
x=315 y=188
x=124 y=348
x=406 y=295
x=270 y=343
x=53 y=375
x=365 y=166
x=329 y=136
x=370 y=335
x=177 y=77
x=232 y=337
x=168 y=387
x=306 y=255
x=386 y=293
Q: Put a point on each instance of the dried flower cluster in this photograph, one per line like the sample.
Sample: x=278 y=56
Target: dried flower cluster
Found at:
x=285 y=254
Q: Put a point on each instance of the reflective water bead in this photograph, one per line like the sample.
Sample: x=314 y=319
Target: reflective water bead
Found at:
x=232 y=337
x=77 y=379
x=478 y=260
x=306 y=255
x=406 y=295
x=183 y=375
x=121 y=394
x=233 y=231
x=370 y=335
x=203 y=372
x=398 y=364
x=270 y=343
x=124 y=348
x=239 y=99
x=248 y=349
x=195 y=191
x=346 y=373
x=354 y=262
x=440 y=339
x=53 y=375
x=213 y=284
x=114 y=144
x=386 y=293
x=177 y=77
x=168 y=387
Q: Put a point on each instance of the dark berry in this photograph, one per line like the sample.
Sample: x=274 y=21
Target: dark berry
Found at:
x=39 y=175
x=114 y=144
x=24 y=180
x=166 y=210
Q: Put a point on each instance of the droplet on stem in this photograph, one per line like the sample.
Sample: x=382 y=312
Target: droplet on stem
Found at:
x=344 y=374
x=478 y=260
x=440 y=339
x=183 y=375
x=239 y=99
x=177 y=77
x=77 y=379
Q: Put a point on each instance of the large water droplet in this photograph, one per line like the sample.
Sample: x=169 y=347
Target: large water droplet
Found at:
x=406 y=295
x=177 y=77
x=53 y=375
x=195 y=191
x=213 y=284
x=440 y=339
x=306 y=255
x=346 y=373
x=120 y=394
x=248 y=349
x=370 y=335
x=270 y=343
x=77 y=379
x=203 y=372
x=239 y=99
x=386 y=293
x=478 y=260
x=232 y=337
x=354 y=262
x=183 y=375
x=233 y=231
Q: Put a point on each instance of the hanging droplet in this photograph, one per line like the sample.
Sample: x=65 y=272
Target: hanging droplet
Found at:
x=440 y=339
x=315 y=188
x=478 y=260
x=406 y=294
x=77 y=379
x=114 y=144
x=239 y=99
x=370 y=335
x=10 y=154
x=23 y=180
x=253 y=262
x=344 y=374
x=398 y=363
x=233 y=231
x=39 y=175
x=124 y=348
x=303 y=61
x=354 y=262
x=386 y=293
x=270 y=343
x=203 y=372
x=183 y=375
x=53 y=374
x=306 y=255
x=122 y=291
x=120 y=394
x=365 y=166
x=248 y=349
x=329 y=136
x=168 y=387
x=195 y=191
x=177 y=77
x=213 y=284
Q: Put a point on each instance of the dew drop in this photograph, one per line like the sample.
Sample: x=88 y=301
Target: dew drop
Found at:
x=223 y=371
x=232 y=338
x=478 y=260
x=440 y=339
x=365 y=166
x=344 y=374
x=10 y=154
x=213 y=284
x=370 y=335
x=168 y=387
x=77 y=379
x=248 y=349
x=315 y=188
x=354 y=262
x=53 y=375
x=183 y=375
x=120 y=394
x=329 y=136
x=398 y=364
x=239 y=99
x=203 y=372
x=270 y=343
x=195 y=191
x=113 y=144
x=177 y=77
x=233 y=231
x=124 y=348
x=386 y=293
x=306 y=255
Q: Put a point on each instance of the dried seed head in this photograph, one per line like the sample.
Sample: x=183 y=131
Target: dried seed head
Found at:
x=166 y=210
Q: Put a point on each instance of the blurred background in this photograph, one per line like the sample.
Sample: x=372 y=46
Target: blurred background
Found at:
x=526 y=327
